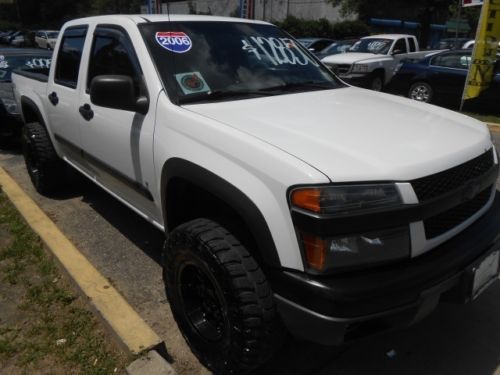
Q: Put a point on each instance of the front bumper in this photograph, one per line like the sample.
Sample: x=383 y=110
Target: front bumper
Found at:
x=332 y=309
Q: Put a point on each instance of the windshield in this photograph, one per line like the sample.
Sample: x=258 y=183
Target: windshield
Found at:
x=372 y=45
x=339 y=47
x=53 y=35
x=206 y=61
x=9 y=63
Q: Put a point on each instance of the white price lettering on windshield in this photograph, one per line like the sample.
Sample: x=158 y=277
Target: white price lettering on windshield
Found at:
x=4 y=64
x=376 y=46
x=38 y=63
x=279 y=51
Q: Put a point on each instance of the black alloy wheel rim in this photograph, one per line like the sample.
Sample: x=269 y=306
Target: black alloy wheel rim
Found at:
x=203 y=302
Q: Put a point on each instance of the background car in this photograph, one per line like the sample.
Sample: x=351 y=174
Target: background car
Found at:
x=440 y=79
x=340 y=46
x=450 y=43
x=46 y=38
x=315 y=44
x=24 y=39
x=8 y=37
x=10 y=59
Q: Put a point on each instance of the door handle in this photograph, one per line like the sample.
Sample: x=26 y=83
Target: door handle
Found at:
x=53 y=98
x=86 y=112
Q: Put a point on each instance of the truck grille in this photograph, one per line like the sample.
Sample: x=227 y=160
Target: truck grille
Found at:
x=340 y=68
x=443 y=182
x=443 y=222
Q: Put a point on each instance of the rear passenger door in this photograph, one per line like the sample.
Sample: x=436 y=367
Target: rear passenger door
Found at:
x=63 y=92
x=118 y=144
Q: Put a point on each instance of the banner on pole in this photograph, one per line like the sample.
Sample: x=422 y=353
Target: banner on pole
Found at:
x=470 y=3
x=481 y=70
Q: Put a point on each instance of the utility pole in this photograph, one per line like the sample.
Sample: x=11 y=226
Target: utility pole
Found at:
x=458 y=18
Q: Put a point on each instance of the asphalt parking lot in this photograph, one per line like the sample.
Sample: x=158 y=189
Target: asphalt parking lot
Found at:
x=455 y=339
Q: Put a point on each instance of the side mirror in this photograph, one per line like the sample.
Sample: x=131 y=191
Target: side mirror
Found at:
x=397 y=52
x=118 y=92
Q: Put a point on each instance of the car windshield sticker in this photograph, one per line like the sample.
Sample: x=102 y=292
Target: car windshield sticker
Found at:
x=278 y=51
x=192 y=83
x=4 y=64
x=38 y=63
x=174 y=41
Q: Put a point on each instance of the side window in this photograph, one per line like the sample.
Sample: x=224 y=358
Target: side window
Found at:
x=400 y=46
x=112 y=54
x=69 y=56
x=448 y=61
x=413 y=47
x=465 y=61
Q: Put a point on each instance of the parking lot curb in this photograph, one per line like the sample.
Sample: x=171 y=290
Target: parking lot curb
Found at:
x=152 y=364
x=130 y=330
x=493 y=127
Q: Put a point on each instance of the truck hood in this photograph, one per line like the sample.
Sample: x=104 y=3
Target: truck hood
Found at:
x=352 y=134
x=352 y=57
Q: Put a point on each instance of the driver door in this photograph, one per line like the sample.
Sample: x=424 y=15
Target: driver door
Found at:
x=118 y=143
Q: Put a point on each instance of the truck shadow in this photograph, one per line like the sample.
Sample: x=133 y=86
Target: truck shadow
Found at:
x=454 y=339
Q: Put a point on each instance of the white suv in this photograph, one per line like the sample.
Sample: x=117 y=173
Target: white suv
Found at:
x=46 y=38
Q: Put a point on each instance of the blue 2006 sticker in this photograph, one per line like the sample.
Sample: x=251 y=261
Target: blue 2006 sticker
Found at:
x=174 y=41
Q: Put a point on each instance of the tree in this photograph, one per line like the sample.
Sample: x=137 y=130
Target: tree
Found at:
x=424 y=11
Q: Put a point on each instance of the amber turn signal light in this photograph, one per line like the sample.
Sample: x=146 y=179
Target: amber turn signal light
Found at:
x=315 y=251
x=308 y=199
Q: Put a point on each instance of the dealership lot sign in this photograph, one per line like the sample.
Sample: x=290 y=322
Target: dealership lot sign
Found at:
x=469 y=3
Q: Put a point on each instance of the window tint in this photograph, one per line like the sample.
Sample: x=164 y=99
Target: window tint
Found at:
x=451 y=61
x=400 y=46
x=320 y=45
x=413 y=47
x=112 y=54
x=69 y=57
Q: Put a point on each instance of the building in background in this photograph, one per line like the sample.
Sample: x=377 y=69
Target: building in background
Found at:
x=276 y=10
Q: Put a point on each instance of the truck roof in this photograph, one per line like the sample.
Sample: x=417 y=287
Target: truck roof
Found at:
x=388 y=36
x=142 y=18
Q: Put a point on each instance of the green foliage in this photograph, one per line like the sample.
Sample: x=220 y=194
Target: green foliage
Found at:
x=323 y=28
x=36 y=14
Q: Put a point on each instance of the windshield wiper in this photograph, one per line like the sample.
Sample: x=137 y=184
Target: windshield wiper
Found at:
x=219 y=94
x=299 y=85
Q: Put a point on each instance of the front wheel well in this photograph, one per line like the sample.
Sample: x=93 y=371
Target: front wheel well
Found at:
x=186 y=201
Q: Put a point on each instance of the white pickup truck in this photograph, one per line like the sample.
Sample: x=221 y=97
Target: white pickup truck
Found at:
x=283 y=204
x=372 y=61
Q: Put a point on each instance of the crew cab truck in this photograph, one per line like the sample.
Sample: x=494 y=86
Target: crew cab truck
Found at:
x=331 y=223
x=372 y=61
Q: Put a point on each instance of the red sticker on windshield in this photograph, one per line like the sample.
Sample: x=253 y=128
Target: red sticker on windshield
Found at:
x=174 y=41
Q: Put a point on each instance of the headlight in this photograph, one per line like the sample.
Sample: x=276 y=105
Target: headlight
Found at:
x=360 y=68
x=343 y=199
x=10 y=106
x=325 y=254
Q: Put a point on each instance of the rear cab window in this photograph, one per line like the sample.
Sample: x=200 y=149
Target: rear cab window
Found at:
x=69 y=56
x=411 y=43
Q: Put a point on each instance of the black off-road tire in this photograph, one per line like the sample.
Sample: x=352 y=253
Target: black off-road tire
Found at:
x=377 y=81
x=206 y=268
x=46 y=170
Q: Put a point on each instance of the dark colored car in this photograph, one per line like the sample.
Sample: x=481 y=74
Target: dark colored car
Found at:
x=315 y=44
x=440 y=79
x=10 y=59
x=340 y=46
